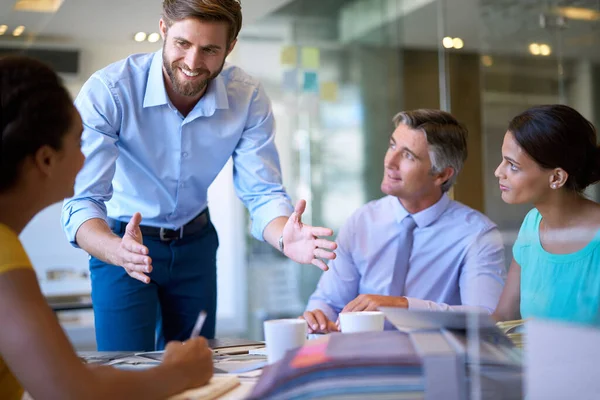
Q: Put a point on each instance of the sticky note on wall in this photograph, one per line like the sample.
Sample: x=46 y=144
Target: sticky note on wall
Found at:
x=289 y=55
x=311 y=83
x=290 y=80
x=329 y=91
x=310 y=57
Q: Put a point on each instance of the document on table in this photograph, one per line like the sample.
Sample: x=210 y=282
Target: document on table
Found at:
x=237 y=364
x=218 y=386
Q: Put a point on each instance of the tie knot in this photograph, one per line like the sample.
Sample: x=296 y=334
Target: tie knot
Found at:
x=409 y=223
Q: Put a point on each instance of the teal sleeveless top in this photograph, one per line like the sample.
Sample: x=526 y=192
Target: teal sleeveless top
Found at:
x=557 y=286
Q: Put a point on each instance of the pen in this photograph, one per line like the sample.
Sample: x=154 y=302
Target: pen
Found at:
x=199 y=324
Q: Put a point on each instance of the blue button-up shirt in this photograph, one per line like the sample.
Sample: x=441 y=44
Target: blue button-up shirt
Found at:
x=456 y=262
x=143 y=155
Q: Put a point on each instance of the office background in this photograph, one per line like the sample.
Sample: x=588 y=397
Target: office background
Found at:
x=336 y=72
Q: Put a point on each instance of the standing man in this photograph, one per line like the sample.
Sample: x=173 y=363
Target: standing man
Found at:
x=158 y=128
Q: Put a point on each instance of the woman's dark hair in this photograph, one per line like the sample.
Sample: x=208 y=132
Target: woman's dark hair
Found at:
x=557 y=136
x=35 y=110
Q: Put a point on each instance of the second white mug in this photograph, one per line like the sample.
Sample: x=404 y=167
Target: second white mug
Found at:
x=361 y=321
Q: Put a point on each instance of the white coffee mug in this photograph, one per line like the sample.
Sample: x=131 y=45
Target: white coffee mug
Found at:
x=361 y=321
x=282 y=335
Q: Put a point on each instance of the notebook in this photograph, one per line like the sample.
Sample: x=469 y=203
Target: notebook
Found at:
x=514 y=330
x=233 y=345
x=221 y=343
x=217 y=387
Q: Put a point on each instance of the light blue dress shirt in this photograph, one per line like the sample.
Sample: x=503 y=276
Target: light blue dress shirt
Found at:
x=456 y=262
x=143 y=155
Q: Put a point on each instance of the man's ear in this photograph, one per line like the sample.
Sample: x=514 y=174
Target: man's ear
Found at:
x=444 y=176
x=163 y=28
x=231 y=46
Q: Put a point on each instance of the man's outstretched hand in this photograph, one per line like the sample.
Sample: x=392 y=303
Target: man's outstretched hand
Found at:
x=301 y=242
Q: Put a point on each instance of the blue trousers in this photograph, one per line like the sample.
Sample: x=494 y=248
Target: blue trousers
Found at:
x=134 y=316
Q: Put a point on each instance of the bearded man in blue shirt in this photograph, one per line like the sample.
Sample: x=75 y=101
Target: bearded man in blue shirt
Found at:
x=158 y=128
x=415 y=248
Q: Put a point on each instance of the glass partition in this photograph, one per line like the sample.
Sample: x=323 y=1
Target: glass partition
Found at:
x=345 y=69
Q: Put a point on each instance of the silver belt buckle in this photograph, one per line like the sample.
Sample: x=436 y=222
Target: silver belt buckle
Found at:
x=161 y=235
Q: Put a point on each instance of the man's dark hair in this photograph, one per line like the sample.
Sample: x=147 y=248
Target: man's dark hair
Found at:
x=229 y=11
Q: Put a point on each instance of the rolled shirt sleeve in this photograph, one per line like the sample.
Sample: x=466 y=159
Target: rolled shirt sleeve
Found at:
x=100 y=112
x=257 y=171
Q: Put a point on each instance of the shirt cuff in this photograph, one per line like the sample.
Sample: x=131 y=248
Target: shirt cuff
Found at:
x=76 y=214
x=418 y=304
x=267 y=213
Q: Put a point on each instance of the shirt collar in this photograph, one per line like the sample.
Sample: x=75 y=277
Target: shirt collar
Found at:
x=156 y=93
x=425 y=217
x=215 y=97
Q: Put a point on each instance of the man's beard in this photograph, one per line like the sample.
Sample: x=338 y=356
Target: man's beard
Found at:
x=189 y=89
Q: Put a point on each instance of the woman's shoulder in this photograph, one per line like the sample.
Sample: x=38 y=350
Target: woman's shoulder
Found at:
x=531 y=221
x=12 y=253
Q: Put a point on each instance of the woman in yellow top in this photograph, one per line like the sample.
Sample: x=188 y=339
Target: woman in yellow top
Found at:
x=40 y=157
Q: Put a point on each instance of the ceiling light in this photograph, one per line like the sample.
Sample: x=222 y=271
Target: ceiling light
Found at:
x=448 y=42
x=458 y=43
x=18 y=30
x=534 y=49
x=487 y=61
x=545 y=50
x=140 y=37
x=3 y=29
x=48 y=6
x=153 y=37
x=585 y=14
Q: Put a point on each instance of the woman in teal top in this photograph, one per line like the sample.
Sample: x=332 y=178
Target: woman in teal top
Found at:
x=549 y=157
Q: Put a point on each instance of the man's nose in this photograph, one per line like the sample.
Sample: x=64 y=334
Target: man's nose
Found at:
x=391 y=159
x=194 y=60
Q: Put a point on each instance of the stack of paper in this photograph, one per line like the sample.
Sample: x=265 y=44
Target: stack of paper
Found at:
x=514 y=331
x=234 y=345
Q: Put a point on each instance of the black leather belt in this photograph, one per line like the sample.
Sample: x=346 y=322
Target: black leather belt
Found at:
x=167 y=235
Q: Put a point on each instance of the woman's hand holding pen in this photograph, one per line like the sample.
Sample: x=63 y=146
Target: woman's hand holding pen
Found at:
x=193 y=358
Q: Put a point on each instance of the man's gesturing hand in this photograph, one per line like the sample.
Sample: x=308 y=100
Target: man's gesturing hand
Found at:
x=132 y=253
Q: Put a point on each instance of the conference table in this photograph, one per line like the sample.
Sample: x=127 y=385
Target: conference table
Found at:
x=247 y=376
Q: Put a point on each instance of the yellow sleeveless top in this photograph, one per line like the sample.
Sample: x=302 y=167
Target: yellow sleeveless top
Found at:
x=12 y=256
